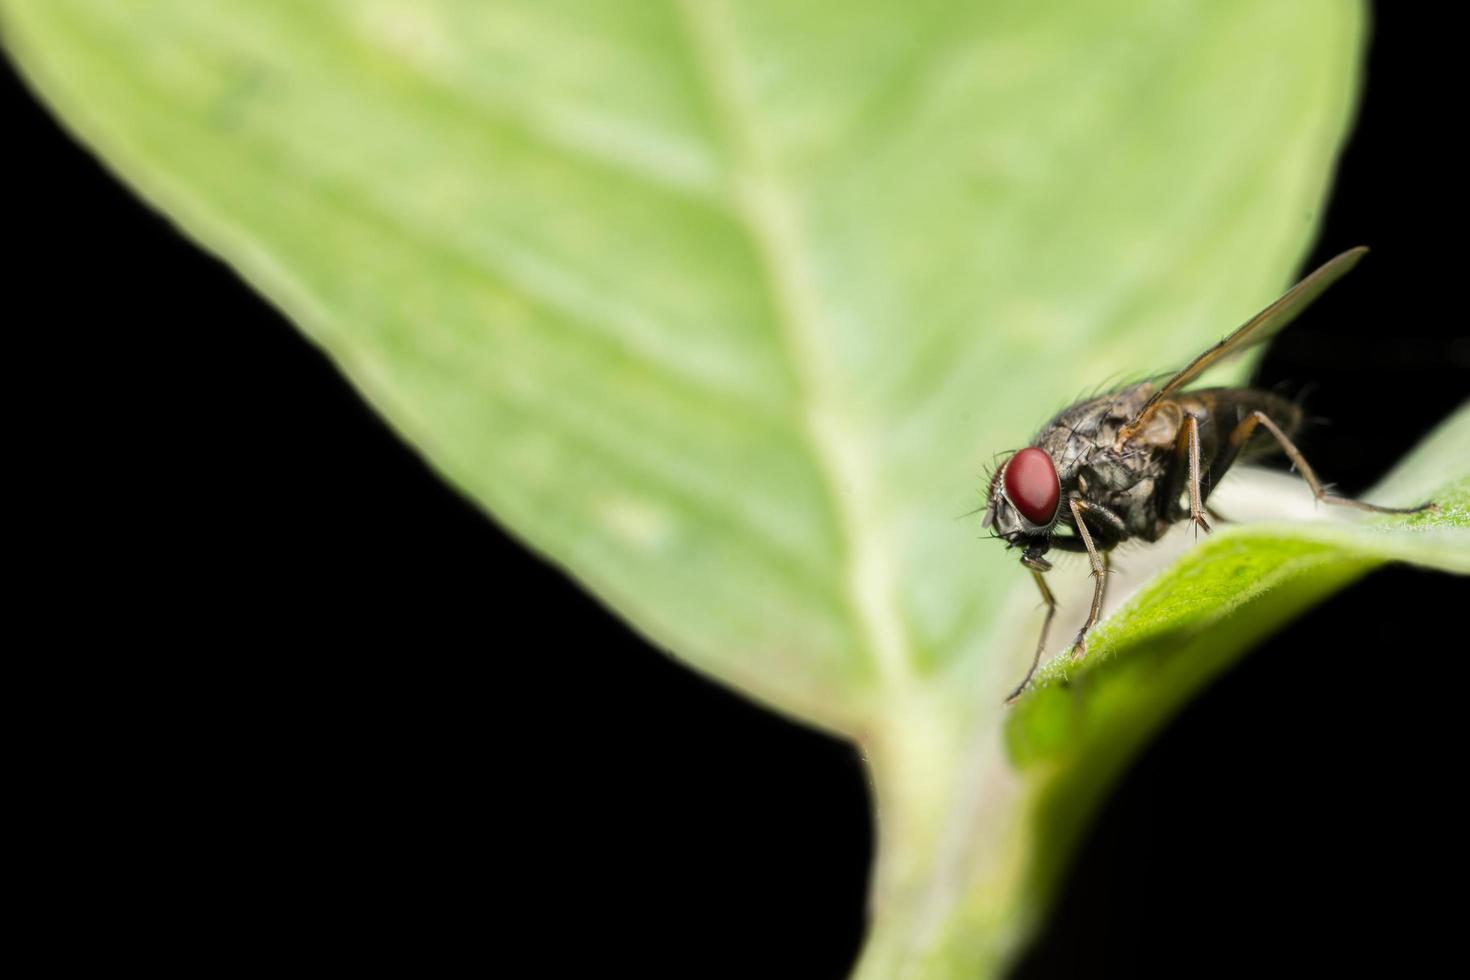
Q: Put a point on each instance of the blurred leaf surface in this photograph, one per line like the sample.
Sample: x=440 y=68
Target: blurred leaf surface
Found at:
x=724 y=307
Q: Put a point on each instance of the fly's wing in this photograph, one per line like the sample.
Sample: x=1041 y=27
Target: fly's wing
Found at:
x=1258 y=328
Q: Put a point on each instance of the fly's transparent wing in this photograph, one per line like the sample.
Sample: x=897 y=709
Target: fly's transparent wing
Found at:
x=1259 y=327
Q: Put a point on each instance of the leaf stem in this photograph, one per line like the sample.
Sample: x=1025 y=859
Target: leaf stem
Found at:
x=948 y=890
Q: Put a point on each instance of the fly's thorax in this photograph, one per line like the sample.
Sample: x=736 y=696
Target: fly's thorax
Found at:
x=1161 y=429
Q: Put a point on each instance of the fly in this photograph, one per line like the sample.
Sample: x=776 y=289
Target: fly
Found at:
x=1132 y=463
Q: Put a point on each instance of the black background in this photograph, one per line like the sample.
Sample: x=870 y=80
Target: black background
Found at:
x=307 y=700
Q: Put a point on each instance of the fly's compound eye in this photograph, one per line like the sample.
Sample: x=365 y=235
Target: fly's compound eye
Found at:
x=1032 y=486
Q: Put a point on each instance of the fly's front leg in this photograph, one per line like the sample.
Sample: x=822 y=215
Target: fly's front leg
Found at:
x=1051 y=611
x=1242 y=433
x=1100 y=565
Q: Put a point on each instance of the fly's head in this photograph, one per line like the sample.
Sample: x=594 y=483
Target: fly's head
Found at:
x=1025 y=499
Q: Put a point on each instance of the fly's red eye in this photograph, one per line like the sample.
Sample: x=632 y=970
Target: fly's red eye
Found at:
x=1032 y=486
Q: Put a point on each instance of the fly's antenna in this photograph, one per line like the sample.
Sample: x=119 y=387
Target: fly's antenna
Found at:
x=987 y=480
x=993 y=469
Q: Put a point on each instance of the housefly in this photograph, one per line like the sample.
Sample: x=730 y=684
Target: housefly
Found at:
x=1131 y=463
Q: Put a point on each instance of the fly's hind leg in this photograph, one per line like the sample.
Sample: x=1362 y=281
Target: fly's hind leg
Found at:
x=1242 y=433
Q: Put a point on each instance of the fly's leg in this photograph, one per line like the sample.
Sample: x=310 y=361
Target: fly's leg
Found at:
x=1189 y=432
x=1100 y=563
x=1242 y=433
x=1186 y=469
x=1100 y=577
x=1110 y=530
x=1051 y=611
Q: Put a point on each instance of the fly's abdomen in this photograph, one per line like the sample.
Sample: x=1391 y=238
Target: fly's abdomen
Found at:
x=1231 y=406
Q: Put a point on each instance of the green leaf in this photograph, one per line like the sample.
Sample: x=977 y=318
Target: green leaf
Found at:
x=724 y=307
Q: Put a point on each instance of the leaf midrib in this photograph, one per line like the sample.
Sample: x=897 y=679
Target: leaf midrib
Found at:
x=769 y=220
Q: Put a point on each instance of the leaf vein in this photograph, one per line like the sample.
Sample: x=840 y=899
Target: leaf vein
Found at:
x=772 y=224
